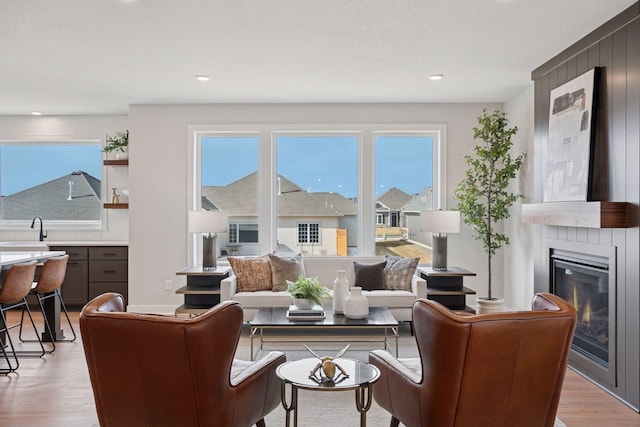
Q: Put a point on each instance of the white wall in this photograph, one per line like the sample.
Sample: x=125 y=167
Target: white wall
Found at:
x=158 y=180
x=518 y=256
x=67 y=128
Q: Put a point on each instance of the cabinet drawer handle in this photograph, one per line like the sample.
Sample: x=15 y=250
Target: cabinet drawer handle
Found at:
x=72 y=263
x=110 y=254
x=109 y=271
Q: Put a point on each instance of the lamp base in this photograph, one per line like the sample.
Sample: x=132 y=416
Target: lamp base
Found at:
x=209 y=252
x=439 y=252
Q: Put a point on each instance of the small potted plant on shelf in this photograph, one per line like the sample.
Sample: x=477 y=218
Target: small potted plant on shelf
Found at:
x=306 y=292
x=118 y=144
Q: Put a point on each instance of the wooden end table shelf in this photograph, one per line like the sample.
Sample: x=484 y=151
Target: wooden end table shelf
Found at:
x=446 y=287
x=202 y=290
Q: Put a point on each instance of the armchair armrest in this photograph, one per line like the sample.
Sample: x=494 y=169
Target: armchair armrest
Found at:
x=244 y=371
x=228 y=288
x=419 y=286
x=393 y=366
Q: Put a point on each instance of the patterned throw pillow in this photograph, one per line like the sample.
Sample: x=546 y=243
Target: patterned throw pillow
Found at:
x=369 y=276
x=252 y=274
x=398 y=272
x=283 y=269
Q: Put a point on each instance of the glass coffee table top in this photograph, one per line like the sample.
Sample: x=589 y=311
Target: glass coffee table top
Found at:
x=277 y=316
x=298 y=373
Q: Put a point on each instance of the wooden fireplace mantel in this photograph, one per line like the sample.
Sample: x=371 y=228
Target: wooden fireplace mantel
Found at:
x=577 y=214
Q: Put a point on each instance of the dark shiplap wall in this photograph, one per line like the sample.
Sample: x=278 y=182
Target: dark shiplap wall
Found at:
x=616 y=48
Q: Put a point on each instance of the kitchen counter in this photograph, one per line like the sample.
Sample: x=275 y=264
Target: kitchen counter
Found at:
x=43 y=246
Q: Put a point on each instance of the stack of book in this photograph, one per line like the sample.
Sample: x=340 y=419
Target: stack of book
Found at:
x=314 y=313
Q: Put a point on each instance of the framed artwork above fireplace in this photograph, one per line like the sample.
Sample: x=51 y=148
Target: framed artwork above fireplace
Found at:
x=571 y=139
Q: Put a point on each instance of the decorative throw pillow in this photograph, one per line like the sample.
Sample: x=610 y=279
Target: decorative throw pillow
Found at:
x=398 y=272
x=283 y=269
x=369 y=276
x=252 y=274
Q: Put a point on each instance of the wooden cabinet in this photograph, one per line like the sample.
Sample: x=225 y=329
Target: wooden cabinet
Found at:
x=108 y=270
x=93 y=270
x=74 y=288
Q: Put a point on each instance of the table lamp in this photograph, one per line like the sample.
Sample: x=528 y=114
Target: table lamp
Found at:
x=209 y=223
x=439 y=223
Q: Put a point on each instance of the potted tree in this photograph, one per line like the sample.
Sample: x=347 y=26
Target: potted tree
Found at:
x=118 y=144
x=306 y=292
x=483 y=195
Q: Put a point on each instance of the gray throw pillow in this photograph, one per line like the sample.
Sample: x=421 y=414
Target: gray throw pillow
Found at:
x=398 y=272
x=369 y=276
x=283 y=269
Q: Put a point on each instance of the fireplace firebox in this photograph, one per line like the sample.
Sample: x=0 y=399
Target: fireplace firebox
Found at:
x=587 y=281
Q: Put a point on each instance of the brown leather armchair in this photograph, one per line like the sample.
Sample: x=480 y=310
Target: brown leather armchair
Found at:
x=503 y=369
x=153 y=370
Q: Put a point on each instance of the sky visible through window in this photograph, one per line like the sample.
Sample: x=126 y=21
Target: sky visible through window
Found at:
x=25 y=166
x=404 y=162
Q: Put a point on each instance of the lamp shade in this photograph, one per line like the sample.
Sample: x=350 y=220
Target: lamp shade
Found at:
x=208 y=221
x=440 y=221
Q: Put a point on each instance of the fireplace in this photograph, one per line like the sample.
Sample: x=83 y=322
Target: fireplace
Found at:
x=586 y=279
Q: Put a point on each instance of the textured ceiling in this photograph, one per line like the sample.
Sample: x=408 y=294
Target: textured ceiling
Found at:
x=99 y=56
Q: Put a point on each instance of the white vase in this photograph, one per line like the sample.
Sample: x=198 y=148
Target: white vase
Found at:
x=340 y=291
x=485 y=305
x=356 y=305
x=122 y=155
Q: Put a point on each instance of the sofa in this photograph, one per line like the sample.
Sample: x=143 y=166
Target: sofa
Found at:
x=398 y=301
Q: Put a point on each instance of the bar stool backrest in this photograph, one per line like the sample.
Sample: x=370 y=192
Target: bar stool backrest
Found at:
x=17 y=282
x=52 y=274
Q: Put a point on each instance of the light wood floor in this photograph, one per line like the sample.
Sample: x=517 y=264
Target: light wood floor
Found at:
x=55 y=391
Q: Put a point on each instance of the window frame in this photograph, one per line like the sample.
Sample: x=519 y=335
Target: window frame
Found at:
x=61 y=225
x=267 y=169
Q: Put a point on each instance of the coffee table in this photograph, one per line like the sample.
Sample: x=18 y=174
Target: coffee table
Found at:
x=378 y=326
x=297 y=375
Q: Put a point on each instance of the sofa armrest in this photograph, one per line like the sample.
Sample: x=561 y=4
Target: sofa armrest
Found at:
x=419 y=286
x=228 y=288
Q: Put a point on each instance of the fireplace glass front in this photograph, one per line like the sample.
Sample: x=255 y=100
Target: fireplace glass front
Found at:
x=585 y=284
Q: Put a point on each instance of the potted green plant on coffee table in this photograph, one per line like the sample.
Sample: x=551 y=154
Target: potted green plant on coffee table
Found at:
x=306 y=292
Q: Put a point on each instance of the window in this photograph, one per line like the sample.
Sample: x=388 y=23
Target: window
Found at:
x=58 y=181
x=309 y=233
x=243 y=233
x=321 y=189
x=228 y=181
x=404 y=186
x=318 y=178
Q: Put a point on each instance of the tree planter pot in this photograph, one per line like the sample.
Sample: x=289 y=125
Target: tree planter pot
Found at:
x=302 y=303
x=485 y=305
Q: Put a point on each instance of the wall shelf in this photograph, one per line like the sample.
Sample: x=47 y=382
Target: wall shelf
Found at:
x=577 y=214
x=123 y=162
x=116 y=205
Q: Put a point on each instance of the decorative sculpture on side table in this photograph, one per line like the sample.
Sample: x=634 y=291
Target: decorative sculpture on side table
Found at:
x=327 y=368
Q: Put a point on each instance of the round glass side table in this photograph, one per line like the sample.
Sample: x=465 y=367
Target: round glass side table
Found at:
x=302 y=374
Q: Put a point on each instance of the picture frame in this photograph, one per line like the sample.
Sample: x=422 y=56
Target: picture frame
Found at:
x=571 y=139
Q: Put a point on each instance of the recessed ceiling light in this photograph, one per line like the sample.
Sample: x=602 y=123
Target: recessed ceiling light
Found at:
x=436 y=76
x=36 y=113
x=202 y=78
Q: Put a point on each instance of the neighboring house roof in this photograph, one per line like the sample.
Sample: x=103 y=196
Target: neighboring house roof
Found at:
x=339 y=203
x=241 y=198
x=57 y=200
x=423 y=201
x=394 y=199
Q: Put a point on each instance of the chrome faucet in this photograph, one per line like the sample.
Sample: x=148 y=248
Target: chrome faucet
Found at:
x=33 y=223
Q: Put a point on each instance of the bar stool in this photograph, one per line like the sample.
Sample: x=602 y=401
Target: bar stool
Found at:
x=48 y=286
x=13 y=294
